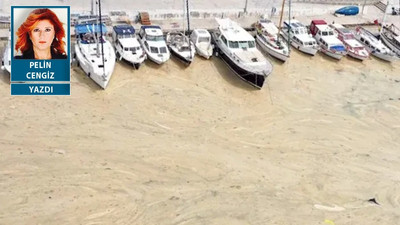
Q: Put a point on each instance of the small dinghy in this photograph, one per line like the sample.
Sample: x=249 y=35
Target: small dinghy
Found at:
x=348 y=11
x=202 y=42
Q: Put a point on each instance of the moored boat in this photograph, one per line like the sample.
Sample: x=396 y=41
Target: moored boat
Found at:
x=268 y=39
x=299 y=37
x=153 y=42
x=373 y=45
x=348 y=10
x=354 y=48
x=180 y=46
x=94 y=54
x=201 y=39
x=237 y=48
x=329 y=44
x=127 y=46
x=390 y=35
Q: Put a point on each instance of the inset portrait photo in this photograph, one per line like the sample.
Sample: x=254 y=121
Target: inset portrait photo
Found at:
x=40 y=33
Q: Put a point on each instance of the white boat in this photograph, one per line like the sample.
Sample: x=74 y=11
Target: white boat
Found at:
x=390 y=35
x=202 y=42
x=237 y=48
x=299 y=37
x=373 y=45
x=152 y=40
x=268 y=39
x=127 y=46
x=94 y=54
x=328 y=42
x=6 y=60
x=180 y=46
x=354 y=48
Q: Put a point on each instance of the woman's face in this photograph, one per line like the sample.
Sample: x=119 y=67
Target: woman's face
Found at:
x=42 y=35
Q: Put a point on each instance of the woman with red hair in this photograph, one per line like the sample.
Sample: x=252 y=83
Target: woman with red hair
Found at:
x=41 y=36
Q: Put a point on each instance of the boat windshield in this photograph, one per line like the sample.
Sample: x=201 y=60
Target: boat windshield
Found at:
x=133 y=49
x=163 y=50
x=204 y=39
x=348 y=36
x=155 y=38
x=331 y=33
x=153 y=49
x=242 y=44
x=184 y=49
x=90 y=38
x=126 y=36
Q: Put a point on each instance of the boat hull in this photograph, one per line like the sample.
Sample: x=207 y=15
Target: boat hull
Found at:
x=265 y=47
x=334 y=55
x=181 y=58
x=131 y=60
x=357 y=56
x=385 y=57
x=348 y=11
x=97 y=75
x=203 y=53
x=255 y=80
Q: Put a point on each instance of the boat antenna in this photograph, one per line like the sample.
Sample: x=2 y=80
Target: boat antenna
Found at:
x=101 y=39
x=188 y=25
x=280 y=20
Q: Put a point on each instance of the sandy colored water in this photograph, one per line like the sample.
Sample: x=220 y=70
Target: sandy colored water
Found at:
x=174 y=145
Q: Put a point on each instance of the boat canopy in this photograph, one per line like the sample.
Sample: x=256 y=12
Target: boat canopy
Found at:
x=269 y=27
x=150 y=27
x=89 y=28
x=124 y=29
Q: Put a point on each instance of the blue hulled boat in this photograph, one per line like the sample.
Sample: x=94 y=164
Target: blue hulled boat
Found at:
x=348 y=11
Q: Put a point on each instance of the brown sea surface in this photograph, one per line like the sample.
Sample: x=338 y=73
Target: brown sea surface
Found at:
x=319 y=144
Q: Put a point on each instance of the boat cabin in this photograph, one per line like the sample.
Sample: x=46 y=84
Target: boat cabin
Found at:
x=124 y=37
x=151 y=33
x=342 y=32
x=200 y=36
x=153 y=39
x=298 y=33
x=314 y=24
x=267 y=28
x=235 y=37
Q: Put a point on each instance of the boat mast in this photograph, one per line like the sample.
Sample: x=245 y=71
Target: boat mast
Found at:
x=188 y=25
x=384 y=18
x=92 y=7
x=280 y=20
x=101 y=39
x=290 y=27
